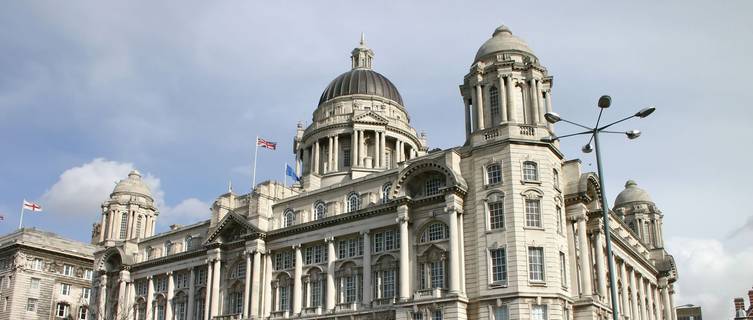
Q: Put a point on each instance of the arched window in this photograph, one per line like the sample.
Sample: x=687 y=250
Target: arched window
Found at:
x=494 y=105
x=283 y=286
x=198 y=304
x=354 y=202
x=180 y=301
x=316 y=288
x=288 y=218
x=386 y=188
x=189 y=243
x=320 y=210
x=168 y=247
x=530 y=171
x=493 y=174
x=138 y=226
x=123 y=225
x=434 y=232
x=235 y=301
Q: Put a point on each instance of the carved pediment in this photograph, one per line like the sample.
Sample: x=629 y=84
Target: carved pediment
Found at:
x=232 y=227
x=370 y=118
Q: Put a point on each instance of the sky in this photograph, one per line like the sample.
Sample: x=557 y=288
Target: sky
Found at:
x=179 y=89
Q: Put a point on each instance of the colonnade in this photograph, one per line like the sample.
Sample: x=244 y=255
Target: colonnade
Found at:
x=329 y=147
x=641 y=298
x=536 y=102
x=110 y=225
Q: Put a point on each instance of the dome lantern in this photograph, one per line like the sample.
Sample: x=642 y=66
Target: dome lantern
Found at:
x=502 y=40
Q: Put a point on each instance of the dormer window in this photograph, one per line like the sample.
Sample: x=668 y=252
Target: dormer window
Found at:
x=288 y=218
x=354 y=202
x=432 y=185
x=320 y=210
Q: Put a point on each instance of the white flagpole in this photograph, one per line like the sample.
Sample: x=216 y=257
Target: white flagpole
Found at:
x=256 y=153
x=21 y=221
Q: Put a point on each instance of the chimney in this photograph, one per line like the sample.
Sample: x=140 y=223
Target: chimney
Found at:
x=739 y=304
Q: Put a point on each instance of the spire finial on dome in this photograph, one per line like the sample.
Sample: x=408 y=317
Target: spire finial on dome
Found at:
x=134 y=172
x=502 y=29
x=361 y=56
x=630 y=184
x=230 y=186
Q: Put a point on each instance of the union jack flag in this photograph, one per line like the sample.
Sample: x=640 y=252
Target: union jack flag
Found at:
x=266 y=144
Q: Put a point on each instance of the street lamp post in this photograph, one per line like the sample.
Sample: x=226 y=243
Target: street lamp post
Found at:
x=604 y=102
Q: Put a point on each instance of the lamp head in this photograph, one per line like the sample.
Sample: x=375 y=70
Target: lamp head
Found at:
x=632 y=134
x=605 y=101
x=587 y=148
x=549 y=139
x=552 y=117
x=645 y=112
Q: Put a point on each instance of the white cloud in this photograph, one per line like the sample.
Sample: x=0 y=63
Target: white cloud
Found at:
x=711 y=275
x=80 y=191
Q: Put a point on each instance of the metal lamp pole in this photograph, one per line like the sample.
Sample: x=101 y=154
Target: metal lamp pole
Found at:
x=604 y=102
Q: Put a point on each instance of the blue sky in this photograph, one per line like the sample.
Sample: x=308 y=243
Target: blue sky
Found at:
x=179 y=90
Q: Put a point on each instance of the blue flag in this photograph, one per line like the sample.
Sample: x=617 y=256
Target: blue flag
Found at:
x=290 y=172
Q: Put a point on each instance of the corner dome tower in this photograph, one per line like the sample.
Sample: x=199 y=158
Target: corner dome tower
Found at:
x=502 y=40
x=632 y=193
x=134 y=185
x=640 y=213
x=129 y=213
x=359 y=127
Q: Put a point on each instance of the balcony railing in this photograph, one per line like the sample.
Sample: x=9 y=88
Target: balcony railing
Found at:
x=312 y=310
x=384 y=302
x=348 y=306
x=527 y=131
x=235 y=316
x=280 y=314
x=429 y=293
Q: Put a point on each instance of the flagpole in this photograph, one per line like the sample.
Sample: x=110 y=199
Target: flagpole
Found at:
x=256 y=154
x=21 y=221
x=285 y=175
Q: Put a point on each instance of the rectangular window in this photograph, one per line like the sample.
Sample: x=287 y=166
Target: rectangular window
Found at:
x=316 y=293
x=499 y=265
x=37 y=264
x=555 y=178
x=350 y=289
x=533 y=213
x=496 y=215
x=86 y=293
x=538 y=312
x=319 y=254
x=536 y=263
x=501 y=313
x=388 y=284
x=88 y=274
x=34 y=283
x=437 y=274
x=563 y=270
x=67 y=270
x=493 y=174
x=31 y=305
x=417 y=315
x=65 y=289
x=346 y=157
x=283 y=303
x=201 y=276
x=308 y=256
x=432 y=186
x=379 y=242
x=437 y=315
x=82 y=313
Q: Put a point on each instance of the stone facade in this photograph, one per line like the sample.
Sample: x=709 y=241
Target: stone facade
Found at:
x=382 y=227
x=44 y=276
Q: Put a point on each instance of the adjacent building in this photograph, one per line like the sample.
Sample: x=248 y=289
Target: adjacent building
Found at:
x=741 y=312
x=381 y=226
x=44 y=276
x=689 y=312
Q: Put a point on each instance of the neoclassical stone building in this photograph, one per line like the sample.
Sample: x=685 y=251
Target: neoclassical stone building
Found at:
x=382 y=227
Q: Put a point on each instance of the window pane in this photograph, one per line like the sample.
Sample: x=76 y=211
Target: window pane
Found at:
x=530 y=171
x=533 y=213
x=501 y=313
x=499 y=265
x=496 y=215
x=536 y=263
x=493 y=174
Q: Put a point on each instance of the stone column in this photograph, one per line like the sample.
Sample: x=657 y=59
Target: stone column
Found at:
x=625 y=310
x=634 y=295
x=102 y=303
x=330 y=158
x=657 y=303
x=666 y=304
x=642 y=296
x=650 y=305
x=122 y=300
x=549 y=100
x=454 y=249
x=299 y=163
x=317 y=149
x=336 y=153
x=540 y=102
x=102 y=227
x=533 y=101
x=479 y=103
x=363 y=148
x=377 y=158
x=247 y=285
x=382 y=151
x=208 y=292
x=462 y=254
x=132 y=300
x=149 y=296
x=191 y=294
x=585 y=255
x=402 y=220
x=511 y=106
x=366 y=269
x=129 y=222
x=267 y=284
x=671 y=289
x=255 y=285
x=329 y=303
x=502 y=97
x=354 y=149
x=601 y=270
x=312 y=162
x=467 y=112
x=215 y=302
x=170 y=296
x=297 y=287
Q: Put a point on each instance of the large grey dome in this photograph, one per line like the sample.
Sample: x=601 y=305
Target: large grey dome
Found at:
x=361 y=81
x=632 y=194
x=502 y=40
